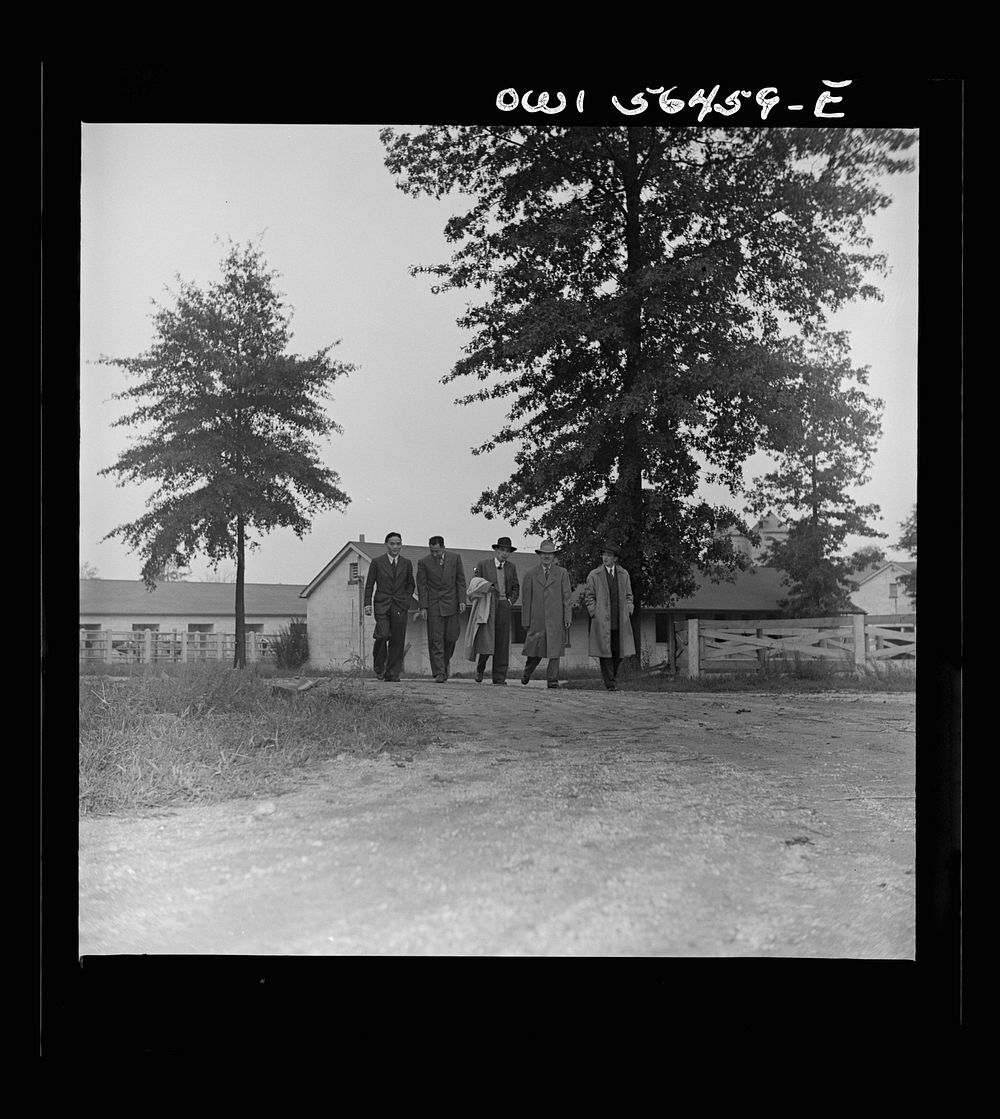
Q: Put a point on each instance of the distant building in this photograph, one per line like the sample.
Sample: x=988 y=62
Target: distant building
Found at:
x=125 y=605
x=880 y=588
x=771 y=530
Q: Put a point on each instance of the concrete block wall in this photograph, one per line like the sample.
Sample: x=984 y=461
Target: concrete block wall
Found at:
x=332 y=618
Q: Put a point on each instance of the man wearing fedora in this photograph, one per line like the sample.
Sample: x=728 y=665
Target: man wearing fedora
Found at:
x=546 y=614
x=608 y=597
x=441 y=594
x=493 y=638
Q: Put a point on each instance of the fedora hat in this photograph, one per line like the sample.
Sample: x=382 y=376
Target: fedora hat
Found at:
x=548 y=548
x=504 y=542
x=611 y=546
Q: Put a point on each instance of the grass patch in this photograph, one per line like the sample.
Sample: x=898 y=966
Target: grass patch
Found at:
x=207 y=734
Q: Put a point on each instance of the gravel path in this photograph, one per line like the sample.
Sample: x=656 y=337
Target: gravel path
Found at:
x=546 y=823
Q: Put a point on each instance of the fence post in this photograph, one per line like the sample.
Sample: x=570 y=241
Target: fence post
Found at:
x=693 y=665
x=108 y=645
x=147 y=647
x=859 y=641
x=184 y=647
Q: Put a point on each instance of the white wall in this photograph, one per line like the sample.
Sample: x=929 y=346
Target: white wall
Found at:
x=873 y=595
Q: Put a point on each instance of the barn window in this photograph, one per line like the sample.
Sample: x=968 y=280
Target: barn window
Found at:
x=138 y=627
x=662 y=628
x=353 y=573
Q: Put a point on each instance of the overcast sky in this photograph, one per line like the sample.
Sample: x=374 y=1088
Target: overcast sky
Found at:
x=157 y=199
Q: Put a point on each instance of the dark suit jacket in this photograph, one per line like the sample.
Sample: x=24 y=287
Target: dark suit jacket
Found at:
x=441 y=589
x=391 y=589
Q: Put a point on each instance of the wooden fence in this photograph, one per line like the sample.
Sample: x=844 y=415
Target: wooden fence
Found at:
x=149 y=646
x=847 y=644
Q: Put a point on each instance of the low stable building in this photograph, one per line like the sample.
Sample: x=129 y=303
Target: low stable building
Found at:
x=190 y=618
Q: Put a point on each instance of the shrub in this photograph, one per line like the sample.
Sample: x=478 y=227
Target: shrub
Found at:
x=291 y=644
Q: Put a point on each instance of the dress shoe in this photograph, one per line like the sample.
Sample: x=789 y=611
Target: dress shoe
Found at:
x=390 y=679
x=379 y=675
x=500 y=683
x=524 y=679
x=479 y=677
x=552 y=684
x=612 y=688
x=440 y=678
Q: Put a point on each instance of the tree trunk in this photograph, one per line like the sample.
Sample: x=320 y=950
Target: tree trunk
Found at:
x=628 y=514
x=240 y=657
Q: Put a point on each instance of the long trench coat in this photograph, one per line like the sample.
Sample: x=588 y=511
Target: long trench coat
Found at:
x=598 y=603
x=546 y=613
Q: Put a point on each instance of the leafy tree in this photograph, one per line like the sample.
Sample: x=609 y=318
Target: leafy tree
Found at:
x=822 y=439
x=88 y=571
x=632 y=284
x=908 y=542
x=229 y=417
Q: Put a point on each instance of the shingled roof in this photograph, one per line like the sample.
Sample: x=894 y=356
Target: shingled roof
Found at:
x=129 y=596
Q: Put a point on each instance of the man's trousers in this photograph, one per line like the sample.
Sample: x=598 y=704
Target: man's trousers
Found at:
x=442 y=633
x=387 y=652
x=501 y=643
x=609 y=665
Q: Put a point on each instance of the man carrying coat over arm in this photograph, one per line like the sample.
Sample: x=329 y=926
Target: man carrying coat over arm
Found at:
x=546 y=614
x=608 y=597
x=493 y=638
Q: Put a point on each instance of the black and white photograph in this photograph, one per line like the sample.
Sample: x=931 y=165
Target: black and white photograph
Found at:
x=499 y=538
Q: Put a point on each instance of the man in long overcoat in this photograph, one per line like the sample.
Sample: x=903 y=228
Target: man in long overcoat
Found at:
x=441 y=593
x=493 y=638
x=608 y=597
x=389 y=590
x=546 y=614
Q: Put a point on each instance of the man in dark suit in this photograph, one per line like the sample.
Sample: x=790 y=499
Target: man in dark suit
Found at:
x=390 y=577
x=441 y=593
x=493 y=639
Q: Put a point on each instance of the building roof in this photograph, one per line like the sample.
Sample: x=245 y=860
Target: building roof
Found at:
x=129 y=596
x=754 y=590
x=907 y=567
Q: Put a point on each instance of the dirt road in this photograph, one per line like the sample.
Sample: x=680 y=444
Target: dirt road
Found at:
x=546 y=823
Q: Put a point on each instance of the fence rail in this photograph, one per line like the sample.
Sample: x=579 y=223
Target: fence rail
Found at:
x=107 y=646
x=844 y=643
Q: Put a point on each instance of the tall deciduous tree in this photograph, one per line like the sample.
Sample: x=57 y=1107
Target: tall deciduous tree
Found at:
x=823 y=438
x=230 y=419
x=635 y=282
